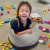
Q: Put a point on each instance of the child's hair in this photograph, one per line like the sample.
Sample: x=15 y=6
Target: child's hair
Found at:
x=22 y=3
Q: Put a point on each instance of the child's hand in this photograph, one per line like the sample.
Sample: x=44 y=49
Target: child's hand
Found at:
x=29 y=31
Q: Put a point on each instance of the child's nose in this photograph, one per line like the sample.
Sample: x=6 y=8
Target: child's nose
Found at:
x=24 y=12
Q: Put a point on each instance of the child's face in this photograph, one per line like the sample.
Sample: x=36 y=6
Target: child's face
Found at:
x=24 y=12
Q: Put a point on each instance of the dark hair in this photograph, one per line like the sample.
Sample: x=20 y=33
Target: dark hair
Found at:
x=22 y=3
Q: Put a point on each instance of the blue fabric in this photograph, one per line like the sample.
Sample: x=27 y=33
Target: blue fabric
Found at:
x=14 y=25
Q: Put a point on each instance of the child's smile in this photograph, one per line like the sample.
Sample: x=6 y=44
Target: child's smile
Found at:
x=24 y=16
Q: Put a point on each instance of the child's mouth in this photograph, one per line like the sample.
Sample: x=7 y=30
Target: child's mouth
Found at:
x=24 y=16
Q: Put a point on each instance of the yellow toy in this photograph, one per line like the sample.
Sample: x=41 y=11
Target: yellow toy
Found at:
x=15 y=13
x=37 y=19
x=5 y=45
x=2 y=22
x=8 y=7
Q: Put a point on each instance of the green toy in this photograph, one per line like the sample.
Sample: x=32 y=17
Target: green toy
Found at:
x=48 y=36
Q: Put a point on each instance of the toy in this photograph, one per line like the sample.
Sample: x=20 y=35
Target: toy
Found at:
x=48 y=36
x=1 y=24
x=45 y=12
x=14 y=7
x=49 y=45
x=38 y=1
x=37 y=19
x=7 y=21
x=47 y=30
x=15 y=13
x=45 y=21
x=48 y=22
x=32 y=18
x=42 y=42
x=43 y=29
x=43 y=38
x=8 y=7
x=8 y=12
x=48 y=9
x=8 y=17
x=44 y=5
x=6 y=46
x=1 y=13
x=2 y=8
x=40 y=27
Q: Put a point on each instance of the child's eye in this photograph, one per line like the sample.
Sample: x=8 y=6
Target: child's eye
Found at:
x=21 y=11
x=26 y=11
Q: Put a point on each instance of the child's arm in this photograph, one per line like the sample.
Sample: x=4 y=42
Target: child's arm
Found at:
x=23 y=32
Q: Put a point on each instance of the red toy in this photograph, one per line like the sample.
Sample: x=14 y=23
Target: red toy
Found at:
x=48 y=9
x=44 y=29
x=32 y=18
x=8 y=12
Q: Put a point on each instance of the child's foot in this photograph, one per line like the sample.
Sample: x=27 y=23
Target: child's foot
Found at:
x=43 y=2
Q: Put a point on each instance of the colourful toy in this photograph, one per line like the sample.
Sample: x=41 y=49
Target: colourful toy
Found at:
x=37 y=19
x=42 y=42
x=49 y=45
x=44 y=29
x=8 y=11
x=8 y=7
x=6 y=46
x=7 y=21
x=45 y=12
x=1 y=13
x=48 y=22
x=48 y=36
x=43 y=38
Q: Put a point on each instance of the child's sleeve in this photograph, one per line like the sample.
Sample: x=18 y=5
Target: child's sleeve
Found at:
x=14 y=26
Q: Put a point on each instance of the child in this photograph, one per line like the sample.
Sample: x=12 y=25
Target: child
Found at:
x=21 y=25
